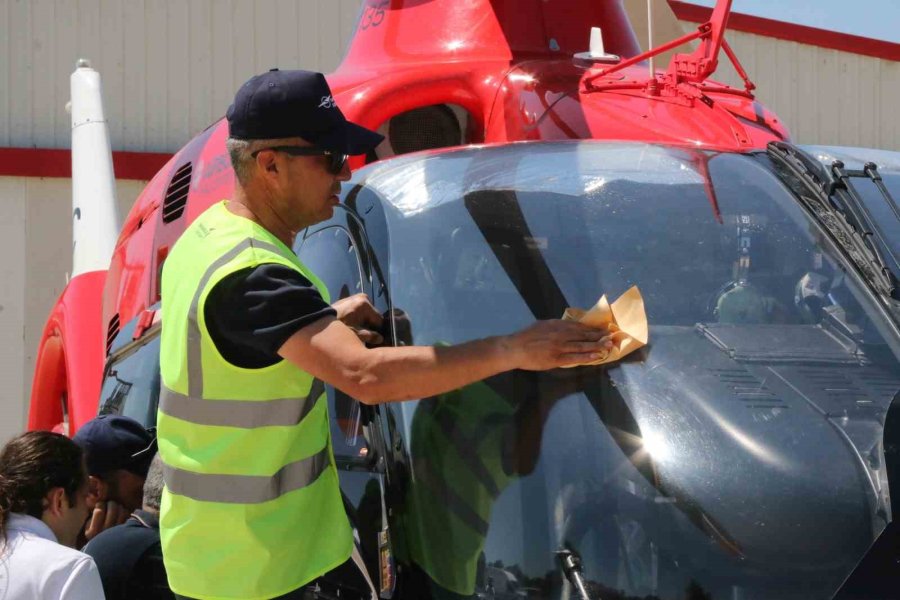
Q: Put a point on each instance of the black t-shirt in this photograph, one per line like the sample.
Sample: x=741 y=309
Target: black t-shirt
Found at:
x=251 y=313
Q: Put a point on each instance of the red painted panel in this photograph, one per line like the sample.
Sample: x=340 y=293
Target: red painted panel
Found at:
x=393 y=32
x=70 y=356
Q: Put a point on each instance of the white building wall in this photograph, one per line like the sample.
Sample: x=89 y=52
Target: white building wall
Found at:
x=169 y=67
x=12 y=307
x=36 y=237
x=824 y=96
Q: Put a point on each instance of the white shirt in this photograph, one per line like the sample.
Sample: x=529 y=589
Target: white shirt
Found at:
x=33 y=566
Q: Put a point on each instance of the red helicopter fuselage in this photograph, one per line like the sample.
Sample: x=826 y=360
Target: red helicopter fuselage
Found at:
x=508 y=67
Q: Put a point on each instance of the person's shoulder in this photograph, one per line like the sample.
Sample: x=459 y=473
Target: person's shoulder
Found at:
x=111 y=540
x=30 y=546
x=56 y=571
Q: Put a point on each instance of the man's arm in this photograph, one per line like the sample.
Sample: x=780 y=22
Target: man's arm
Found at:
x=331 y=351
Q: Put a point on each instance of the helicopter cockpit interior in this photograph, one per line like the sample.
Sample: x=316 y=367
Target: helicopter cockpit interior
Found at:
x=424 y=128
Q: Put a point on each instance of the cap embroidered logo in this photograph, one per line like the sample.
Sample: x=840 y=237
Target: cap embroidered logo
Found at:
x=326 y=102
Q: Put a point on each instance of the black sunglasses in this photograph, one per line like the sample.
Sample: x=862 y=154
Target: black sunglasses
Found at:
x=336 y=160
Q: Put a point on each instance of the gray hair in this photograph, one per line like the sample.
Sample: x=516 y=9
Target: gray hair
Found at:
x=153 y=485
x=241 y=154
x=241 y=160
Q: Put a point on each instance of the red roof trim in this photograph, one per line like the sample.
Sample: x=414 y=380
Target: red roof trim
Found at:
x=802 y=34
x=52 y=162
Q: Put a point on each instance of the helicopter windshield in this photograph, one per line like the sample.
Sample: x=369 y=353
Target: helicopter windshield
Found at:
x=738 y=455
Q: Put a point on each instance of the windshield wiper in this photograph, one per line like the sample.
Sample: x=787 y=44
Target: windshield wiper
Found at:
x=849 y=224
x=843 y=185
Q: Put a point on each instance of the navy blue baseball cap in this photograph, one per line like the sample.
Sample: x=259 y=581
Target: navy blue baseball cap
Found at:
x=113 y=442
x=281 y=104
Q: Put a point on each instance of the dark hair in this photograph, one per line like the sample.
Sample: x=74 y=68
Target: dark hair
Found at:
x=31 y=465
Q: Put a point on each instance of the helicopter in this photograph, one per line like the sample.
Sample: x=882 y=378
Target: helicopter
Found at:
x=747 y=452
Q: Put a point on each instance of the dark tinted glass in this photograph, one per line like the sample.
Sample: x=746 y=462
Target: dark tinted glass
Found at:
x=737 y=456
x=333 y=257
x=131 y=383
x=888 y=166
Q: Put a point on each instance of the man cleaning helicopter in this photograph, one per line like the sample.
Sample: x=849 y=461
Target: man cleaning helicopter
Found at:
x=252 y=506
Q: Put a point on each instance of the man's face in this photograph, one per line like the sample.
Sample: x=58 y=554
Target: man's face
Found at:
x=126 y=488
x=70 y=519
x=306 y=191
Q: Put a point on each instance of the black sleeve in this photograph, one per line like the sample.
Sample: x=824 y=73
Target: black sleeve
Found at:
x=251 y=313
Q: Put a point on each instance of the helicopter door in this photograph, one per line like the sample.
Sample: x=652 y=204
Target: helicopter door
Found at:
x=334 y=256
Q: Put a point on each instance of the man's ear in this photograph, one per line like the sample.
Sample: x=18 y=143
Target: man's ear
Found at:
x=54 y=501
x=98 y=491
x=267 y=162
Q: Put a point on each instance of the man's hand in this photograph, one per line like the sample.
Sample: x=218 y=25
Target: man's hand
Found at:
x=357 y=313
x=554 y=343
x=106 y=514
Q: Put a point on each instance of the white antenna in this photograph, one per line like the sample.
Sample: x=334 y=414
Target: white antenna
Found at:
x=596 y=52
x=650 y=35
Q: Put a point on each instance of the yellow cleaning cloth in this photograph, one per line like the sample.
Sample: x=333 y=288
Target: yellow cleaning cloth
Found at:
x=625 y=319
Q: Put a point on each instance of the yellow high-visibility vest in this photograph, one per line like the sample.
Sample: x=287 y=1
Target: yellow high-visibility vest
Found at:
x=251 y=507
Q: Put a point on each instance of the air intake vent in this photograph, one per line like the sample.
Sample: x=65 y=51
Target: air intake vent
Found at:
x=112 y=331
x=177 y=193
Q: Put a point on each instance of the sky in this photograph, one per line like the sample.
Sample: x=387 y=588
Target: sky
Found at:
x=878 y=19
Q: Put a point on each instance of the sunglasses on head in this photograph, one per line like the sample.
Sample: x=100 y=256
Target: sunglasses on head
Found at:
x=336 y=160
x=150 y=449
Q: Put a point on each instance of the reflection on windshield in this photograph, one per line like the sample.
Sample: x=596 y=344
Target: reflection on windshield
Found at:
x=737 y=456
x=131 y=384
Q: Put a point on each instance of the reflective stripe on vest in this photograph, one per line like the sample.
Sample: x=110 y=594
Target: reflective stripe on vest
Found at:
x=247 y=414
x=246 y=489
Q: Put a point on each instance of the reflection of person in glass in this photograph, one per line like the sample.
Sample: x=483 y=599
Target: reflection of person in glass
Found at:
x=467 y=446
x=745 y=299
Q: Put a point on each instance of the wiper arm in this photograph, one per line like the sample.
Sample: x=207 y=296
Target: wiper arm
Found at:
x=871 y=171
x=844 y=187
x=571 y=566
x=844 y=222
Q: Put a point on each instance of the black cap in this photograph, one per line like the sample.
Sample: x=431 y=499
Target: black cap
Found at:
x=280 y=104
x=114 y=442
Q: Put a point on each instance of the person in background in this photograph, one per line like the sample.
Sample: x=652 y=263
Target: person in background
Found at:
x=43 y=506
x=118 y=451
x=129 y=556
